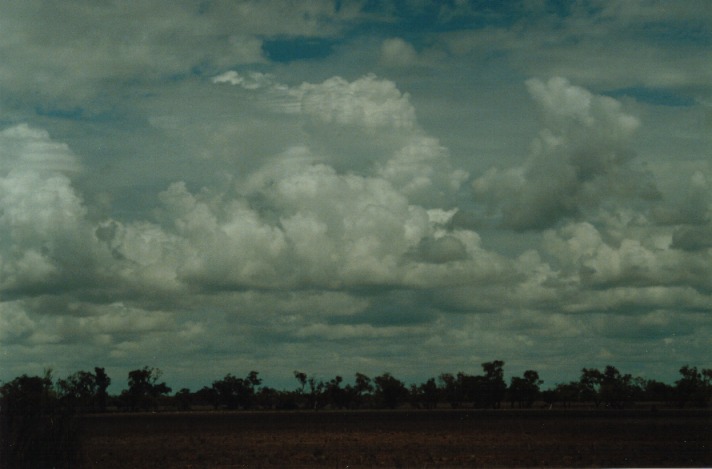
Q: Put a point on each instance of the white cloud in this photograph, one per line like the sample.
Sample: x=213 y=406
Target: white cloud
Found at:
x=580 y=157
x=15 y=324
x=68 y=52
x=421 y=170
x=628 y=273
x=162 y=213
x=367 y=102
x=41 y=215
x=396 y=52
x=251 y=81
x=29 y=149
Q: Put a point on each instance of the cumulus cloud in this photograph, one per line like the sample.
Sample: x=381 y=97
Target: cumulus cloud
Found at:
x=581 y=157
x=694 y=208
x=250 y=82
x=367 y=102
x=41 y=215
x=396 y=52
x=623 y=272
x=367 y=126
x=27 y=149
x=94 y=46
x=190 y=193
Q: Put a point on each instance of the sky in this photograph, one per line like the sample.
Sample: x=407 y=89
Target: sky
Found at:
x=404 y=186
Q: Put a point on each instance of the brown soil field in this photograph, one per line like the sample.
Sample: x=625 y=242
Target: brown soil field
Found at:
x=401 y=438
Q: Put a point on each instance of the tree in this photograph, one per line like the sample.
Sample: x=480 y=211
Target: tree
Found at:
x=316 y=394
x=302 y=378
x=589 y=385
x=206 y=396
x=85 y=391
x=390 y=392
x=567 y=392
x=426 y=395
x=482 y=391
x=524 y=390
x=102 y=381
x=656 y=391
x=615 y=389
x=144 y=388
x=492 y=389
x=336 y=396
x=362 y=390
x=451 y=389
x=183 y=399
x=236 y=393
x=78 y=390
x=693 y=387
x=36 y=429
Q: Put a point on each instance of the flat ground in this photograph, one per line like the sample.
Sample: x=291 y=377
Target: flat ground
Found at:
x=420 y=439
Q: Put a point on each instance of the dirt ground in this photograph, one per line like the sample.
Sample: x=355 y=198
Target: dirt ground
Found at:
x=418 y=439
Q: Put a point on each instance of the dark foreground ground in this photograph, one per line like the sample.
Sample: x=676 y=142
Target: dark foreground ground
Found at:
x=419 y=439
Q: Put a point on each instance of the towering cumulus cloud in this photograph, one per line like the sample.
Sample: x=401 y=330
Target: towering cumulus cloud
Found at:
x=41 y=215
x=581 y=156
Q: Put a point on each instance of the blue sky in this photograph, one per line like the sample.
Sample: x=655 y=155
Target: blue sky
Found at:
x=337 y=187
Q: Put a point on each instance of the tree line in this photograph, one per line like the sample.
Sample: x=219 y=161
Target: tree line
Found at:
x=86 y=391
x=38 y=412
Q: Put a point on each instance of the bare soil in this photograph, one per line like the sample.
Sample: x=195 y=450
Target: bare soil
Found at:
x=418 y=439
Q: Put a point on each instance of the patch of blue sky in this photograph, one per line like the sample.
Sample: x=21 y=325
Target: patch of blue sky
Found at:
x=667 y=34
x=76 y=113
x=288 y=49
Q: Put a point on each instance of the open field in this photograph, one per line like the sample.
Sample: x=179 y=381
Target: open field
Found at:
x=442 y=438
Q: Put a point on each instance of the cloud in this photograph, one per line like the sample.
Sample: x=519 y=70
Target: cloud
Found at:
x=41 y=215
x=219 y=186
x=251 y=81
x=396 y=52
x=692 y=238
x=378 y=133
x=694 y=208
x=623 y=272
x=581 y=157
x=367 y=102
x=68 y=52
x=28 y=149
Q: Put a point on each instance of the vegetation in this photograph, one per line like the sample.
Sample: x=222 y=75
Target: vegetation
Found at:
x=39 y=424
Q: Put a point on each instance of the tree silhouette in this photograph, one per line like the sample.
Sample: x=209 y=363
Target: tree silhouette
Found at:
x=425 y=395
x=78 y=390
x=183 y=399
x=302 y=378
x=693 y=387
x=362 y=389
x=451 y=389
x=524 y=390
x=234 y=393
x=336 y=396
x=36 y=429
x=102 y=381
x=589 y=385
x=144 y=388
x=84 y=391
x=491 y=389
x=567 y=393
x=616 y=389
x=390 y=392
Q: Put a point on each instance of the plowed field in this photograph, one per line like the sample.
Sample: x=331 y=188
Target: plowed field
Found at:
x=419 y=439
